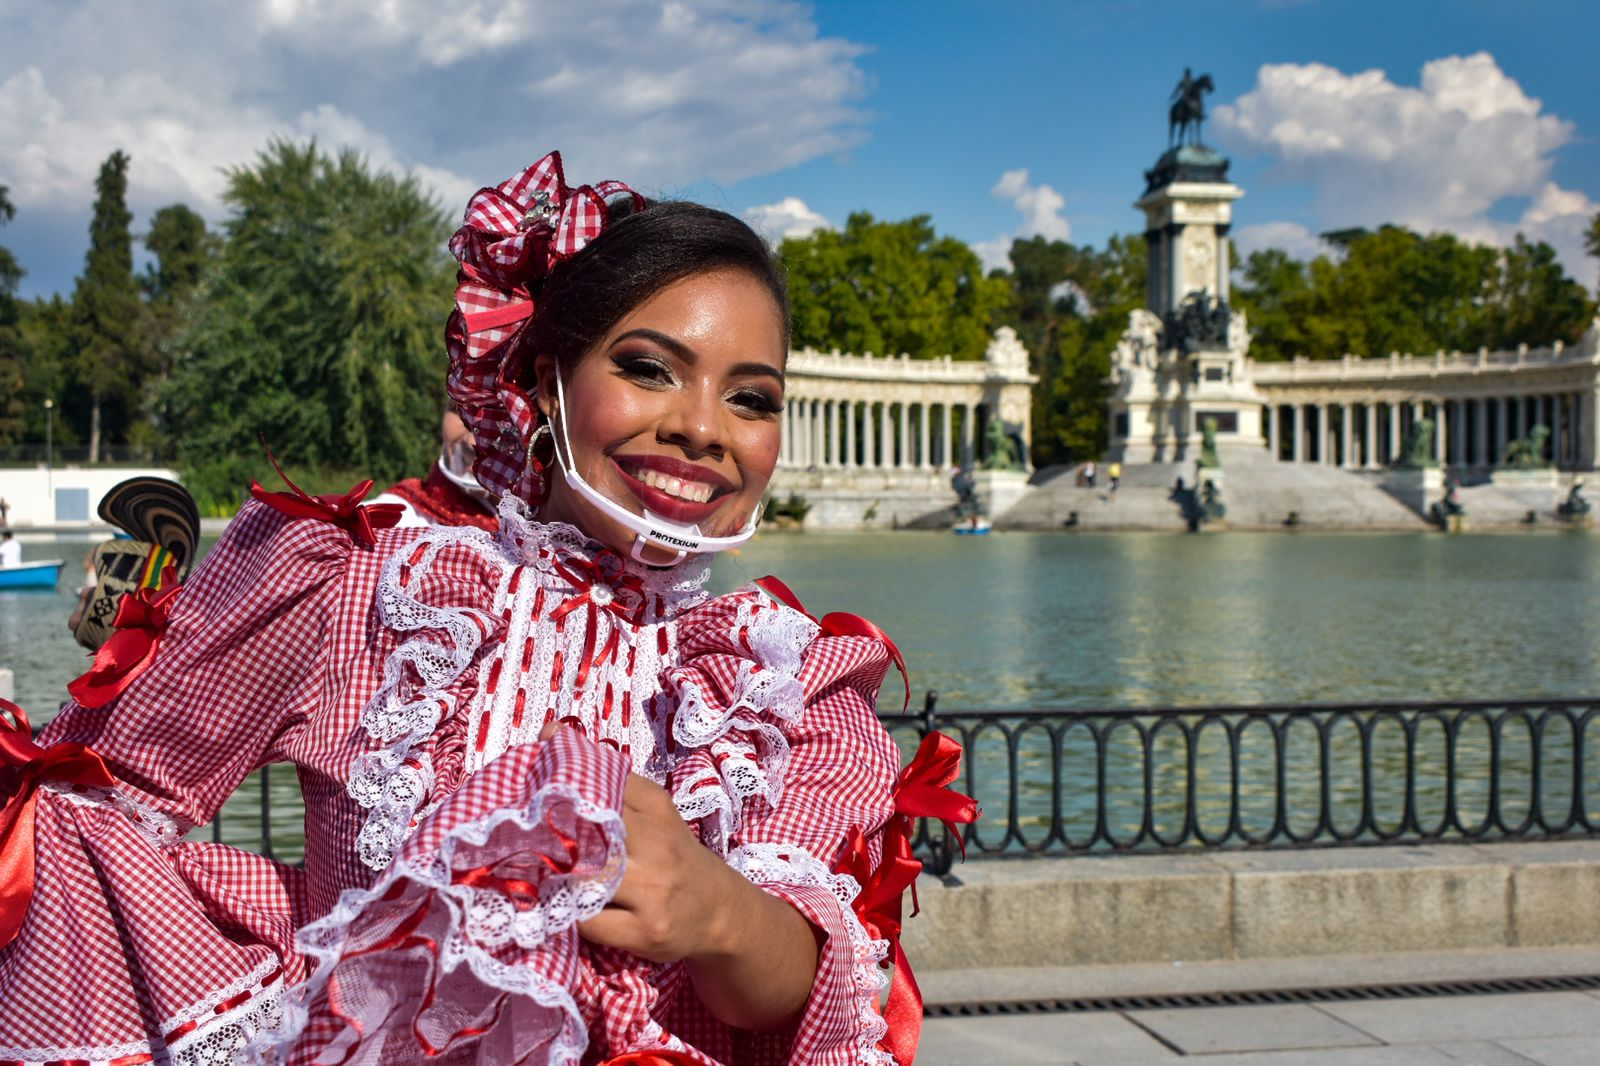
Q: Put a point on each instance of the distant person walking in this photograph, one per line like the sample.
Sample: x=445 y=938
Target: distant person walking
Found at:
x=1114 y=475
x=10 y=550
x=1089 y=473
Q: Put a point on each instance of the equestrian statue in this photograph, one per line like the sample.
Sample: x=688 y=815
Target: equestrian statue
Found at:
x=1188 y=109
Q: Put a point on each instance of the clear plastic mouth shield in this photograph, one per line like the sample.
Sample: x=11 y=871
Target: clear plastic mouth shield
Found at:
x=648 y=528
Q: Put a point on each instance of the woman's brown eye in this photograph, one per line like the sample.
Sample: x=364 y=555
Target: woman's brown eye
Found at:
x=759 y=402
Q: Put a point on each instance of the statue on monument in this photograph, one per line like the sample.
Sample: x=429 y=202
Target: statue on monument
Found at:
x=1003 y=453
x=1418 y=452
x=1528 y=453
x=1188 y=109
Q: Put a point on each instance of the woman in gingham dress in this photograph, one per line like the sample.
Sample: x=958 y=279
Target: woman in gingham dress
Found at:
x=562 y=805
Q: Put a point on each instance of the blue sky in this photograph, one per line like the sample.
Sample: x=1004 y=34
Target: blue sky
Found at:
x=1475 y=117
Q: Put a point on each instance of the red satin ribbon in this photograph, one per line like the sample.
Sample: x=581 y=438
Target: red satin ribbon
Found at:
x=26 y=763
x=627 y=604
x=140 y=623
x=920 y=792
x=347 y=511
x=840 y=624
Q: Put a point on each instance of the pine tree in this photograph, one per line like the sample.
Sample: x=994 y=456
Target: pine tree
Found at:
x=12 y=352
x=110 y=360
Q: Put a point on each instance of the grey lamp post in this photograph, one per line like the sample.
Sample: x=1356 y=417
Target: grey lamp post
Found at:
x=50 y=449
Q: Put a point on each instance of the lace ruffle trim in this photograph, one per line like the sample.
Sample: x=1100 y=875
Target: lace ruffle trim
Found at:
x=480 y=921
x=218 y=1034
x=779 y=865
x=748 y=751
x=160 y=830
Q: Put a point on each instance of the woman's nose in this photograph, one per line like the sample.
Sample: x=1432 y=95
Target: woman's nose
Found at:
x=693 y=420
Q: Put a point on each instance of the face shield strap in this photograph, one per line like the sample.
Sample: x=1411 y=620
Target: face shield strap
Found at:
x=649 y=528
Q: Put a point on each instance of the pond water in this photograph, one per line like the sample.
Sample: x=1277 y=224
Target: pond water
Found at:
x=1015 y=620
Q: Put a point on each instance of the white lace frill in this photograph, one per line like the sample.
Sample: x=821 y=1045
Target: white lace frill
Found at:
x=522 y=559
x=740 y=752
x=779 y=865
x=224 y=1022
x=480 y=946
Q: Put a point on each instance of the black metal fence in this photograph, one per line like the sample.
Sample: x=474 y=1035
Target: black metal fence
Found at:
x=1292 y=776
x=1169 y=779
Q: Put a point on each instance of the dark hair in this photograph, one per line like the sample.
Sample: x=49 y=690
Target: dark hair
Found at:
x=639 y=254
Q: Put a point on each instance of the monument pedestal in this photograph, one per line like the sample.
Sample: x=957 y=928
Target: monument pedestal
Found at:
x=999 y=490
x=1418 y=487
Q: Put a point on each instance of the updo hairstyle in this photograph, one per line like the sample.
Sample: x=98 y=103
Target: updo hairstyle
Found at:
x=640 y=253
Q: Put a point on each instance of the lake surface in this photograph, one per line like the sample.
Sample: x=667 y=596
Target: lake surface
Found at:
x=1093 y=620
x=1016 y=620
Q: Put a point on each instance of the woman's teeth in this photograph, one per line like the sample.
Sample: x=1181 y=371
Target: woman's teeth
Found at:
x=695 y=491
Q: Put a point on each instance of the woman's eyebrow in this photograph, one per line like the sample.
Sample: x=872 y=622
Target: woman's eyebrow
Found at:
x=688 y=354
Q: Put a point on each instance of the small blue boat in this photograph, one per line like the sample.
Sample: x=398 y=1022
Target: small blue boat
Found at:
x=38 y=574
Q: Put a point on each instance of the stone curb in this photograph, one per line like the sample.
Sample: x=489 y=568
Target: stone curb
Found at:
x=1257 y=905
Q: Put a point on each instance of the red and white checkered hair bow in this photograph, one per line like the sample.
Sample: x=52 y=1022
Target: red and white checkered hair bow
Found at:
x=512 y=236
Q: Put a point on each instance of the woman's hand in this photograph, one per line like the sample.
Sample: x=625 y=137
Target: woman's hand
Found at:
x=753 y=957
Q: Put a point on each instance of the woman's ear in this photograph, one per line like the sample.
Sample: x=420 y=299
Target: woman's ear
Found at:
x=544 y=383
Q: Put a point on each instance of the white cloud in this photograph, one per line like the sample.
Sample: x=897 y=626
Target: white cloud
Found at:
x=1437 y=156
x=1291 y=237
x=1040 y=207
x=789 y=217
x=658 y=93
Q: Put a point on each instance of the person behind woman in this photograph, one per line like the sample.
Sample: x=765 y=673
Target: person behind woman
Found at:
x=562 y=805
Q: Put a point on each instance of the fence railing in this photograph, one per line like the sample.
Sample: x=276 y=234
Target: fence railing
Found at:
x=1292 y=776
x=1170 y=779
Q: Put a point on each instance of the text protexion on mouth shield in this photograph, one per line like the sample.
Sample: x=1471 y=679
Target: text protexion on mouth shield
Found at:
x=649 y=527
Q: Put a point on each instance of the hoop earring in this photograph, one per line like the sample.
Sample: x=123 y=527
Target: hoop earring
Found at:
x=540 y=435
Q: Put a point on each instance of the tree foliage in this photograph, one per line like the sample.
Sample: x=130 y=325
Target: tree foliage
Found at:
x=1394 y=290
x=12 y=353
x=320 y=326
x=110 y=360
x=1070 y=303
x=888 y=288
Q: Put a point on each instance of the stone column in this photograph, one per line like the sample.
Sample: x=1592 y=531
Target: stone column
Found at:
x=1323 y=433
x=905 y=435
x=1557 y=430
x=1458 y=432
x=1501 y=439
x=849 y=435
x=1480 y=433
x=946 y=453
x=1297 y=431
x=1394 y=433
x=1347 y=435
x=1440 y=428
x=885 y=440
x=830 y=442
x=1272 y=431
x=1371 y=457
x=925 y=435
x=1588 y=452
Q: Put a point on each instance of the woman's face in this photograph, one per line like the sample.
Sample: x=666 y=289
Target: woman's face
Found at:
x=676 y=409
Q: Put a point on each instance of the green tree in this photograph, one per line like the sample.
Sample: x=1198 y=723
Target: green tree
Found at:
x=890 y=287
x=1531 y=300
x=1070 y=304
x=13 y=356
x=1591 y=238
x=110 y=360
x=182 y=251
x=320 y=326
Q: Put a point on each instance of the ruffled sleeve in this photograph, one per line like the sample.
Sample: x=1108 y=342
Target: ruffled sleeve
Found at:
x=177 y=948
x=790 y=757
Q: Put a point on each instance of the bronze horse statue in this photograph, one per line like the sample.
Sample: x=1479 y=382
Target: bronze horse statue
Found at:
x=1188 y=109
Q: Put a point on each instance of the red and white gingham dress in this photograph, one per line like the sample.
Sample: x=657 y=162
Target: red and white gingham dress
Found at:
x=448 y=853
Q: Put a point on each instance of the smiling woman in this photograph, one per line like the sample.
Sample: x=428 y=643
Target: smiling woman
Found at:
x=561 y=804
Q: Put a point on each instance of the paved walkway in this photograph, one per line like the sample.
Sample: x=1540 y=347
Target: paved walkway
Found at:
x=1546 y=1028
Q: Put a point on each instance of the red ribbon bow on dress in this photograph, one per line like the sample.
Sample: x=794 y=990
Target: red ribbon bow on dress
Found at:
x=140 y=623
x=840 y=624
x=24 y=764
x=347 y=511
x=922 y=791
x=512 y=235
x=605 y=585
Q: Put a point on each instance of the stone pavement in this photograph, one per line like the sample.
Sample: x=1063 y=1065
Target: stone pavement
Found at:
x=1559 y=1028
